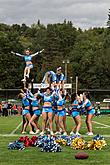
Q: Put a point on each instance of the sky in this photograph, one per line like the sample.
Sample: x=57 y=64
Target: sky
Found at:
x=83 y=13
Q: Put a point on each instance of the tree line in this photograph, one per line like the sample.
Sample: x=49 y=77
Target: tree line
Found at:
x=88 y=52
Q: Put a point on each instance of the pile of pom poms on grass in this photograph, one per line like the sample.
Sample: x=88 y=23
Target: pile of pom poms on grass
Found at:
x=48 y=143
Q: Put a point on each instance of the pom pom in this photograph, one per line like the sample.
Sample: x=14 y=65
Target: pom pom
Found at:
x=16 y=145
x=78 y=143
x=48 y=144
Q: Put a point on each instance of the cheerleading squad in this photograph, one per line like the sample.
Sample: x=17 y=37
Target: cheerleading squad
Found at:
x=53 y=102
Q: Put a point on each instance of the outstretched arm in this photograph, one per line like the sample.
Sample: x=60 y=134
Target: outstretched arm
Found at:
x=17 y=54
x=37 y=53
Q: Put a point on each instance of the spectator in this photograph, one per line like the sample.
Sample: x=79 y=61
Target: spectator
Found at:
x=14 y=109
x=0 y=108
x=9 y=109
x=19 y=110
x=5 y=112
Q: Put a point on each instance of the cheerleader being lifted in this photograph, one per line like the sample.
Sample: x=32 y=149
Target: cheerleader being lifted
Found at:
x=28 y=59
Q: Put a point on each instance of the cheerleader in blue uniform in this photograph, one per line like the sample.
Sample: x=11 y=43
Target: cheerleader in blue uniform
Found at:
x=76 y=114
x=36 y=113
x=47 y=111
x=50 y=78
x=90 y=112
x=28 y=59
x=55 y=115
x=26 y=112
x=60 y=78
x=61 y=111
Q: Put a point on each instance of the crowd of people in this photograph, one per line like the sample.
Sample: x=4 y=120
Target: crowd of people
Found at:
x=8 y=109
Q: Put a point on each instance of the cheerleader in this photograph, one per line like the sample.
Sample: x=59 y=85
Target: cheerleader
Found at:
x=90 y=112
x=50 y=78
x=47 y=112
x=76 y=114
x=60 y=78
x=55 y=116
x=26 y=112
x=28 y=59
x=61 y=112
x=36 y=113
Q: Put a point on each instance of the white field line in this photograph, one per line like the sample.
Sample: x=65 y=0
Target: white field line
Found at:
x=19 y=135
x=105 y=125
x=16 y=129
x=101 y=127
x=12 y=133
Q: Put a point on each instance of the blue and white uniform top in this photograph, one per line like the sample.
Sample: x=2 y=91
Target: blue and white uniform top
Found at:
x=35 y=103
x=25 y=102
x=75 y=108
x=47 y=98
x=35 y=107
x=28 y=96
x=75 y=105
x=60 y=77
x=60 y=102
x=61 y=111
x=47 y=102
x=27 y=57
x=88 y=106
x=52 y=76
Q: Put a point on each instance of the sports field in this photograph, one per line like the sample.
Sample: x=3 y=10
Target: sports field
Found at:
x=10 y=131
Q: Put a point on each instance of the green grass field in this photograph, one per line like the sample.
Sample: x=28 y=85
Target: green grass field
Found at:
x=33 y=155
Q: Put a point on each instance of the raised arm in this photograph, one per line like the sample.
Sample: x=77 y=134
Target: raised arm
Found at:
x=17 y=54
x=37 y=53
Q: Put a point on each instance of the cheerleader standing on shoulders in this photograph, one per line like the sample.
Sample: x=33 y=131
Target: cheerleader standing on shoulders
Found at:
x=76 y=115
x=60 y=78
x=90 y=112
x=28 y=59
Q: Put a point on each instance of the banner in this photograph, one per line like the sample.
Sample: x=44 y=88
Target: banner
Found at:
x=35 y=85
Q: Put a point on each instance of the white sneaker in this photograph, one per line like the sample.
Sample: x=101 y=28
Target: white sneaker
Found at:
x=48 y=129
x=23 y=80
x=65 y=133
x=37 y=131
x=77 y=133
x=61 y=130
x=57 y=133
x=23 y=132
x=27 y=75
x=32 y=133
x=90 y=133
x=72 y=133
x=51 y=133
x=42 y=133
